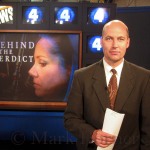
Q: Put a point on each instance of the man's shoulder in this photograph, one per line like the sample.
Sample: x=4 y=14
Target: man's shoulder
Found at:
x=136 y=68
x=89 y=68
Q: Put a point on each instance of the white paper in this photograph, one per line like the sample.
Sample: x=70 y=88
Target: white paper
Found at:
x=112 y=124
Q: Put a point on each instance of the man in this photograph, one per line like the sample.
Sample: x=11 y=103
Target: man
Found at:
x=89 y=97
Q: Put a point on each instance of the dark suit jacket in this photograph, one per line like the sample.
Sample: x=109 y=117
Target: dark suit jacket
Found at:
x=88 y=101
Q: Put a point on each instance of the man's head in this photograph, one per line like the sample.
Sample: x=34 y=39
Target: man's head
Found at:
x=115 y=40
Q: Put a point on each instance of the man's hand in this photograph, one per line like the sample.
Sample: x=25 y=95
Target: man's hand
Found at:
x=102 y=139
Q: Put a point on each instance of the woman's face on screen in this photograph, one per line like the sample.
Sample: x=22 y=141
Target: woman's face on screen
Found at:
x=48 y=72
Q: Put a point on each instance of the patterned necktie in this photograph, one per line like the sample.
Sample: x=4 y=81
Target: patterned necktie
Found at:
x=112 y=88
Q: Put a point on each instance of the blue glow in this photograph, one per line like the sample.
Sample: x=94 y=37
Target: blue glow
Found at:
x=34 y=15
x=65 y=14
x=99 y=15
x=94 y=44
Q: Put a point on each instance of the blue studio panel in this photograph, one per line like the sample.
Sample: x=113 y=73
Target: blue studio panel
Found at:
x=19 y=127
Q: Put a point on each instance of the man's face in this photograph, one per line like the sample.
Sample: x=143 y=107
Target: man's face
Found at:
x=115 y=41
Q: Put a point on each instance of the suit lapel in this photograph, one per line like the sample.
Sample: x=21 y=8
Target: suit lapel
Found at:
x=100 y=85
x=125 y=87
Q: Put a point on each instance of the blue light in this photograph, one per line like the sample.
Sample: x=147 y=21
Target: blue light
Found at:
x=33 y=15
x=65 y=15
x=99 y=15
x=94 y=44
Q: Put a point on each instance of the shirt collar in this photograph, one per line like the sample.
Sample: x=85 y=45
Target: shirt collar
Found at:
x=107 y=67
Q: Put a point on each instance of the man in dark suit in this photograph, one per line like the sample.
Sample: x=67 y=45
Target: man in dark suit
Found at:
x=89 y=97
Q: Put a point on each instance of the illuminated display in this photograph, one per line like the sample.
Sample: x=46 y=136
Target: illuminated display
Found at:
x=33 y=15
x=6 y=15
x=65 y=15
x=98 y=15
x=94 y=45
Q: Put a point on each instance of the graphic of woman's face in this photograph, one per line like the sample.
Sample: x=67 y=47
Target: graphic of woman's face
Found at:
x=47 y=72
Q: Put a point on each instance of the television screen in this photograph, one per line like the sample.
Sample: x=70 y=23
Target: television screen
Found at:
x=33 y=16
x=93 y=44
x=36 y=66
x=92 y=49
x=8 y=15
x=98 y=15
x=95 y=15
x=65 y=15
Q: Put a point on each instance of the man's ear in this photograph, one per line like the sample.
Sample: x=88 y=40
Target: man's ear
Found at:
x=128 y=42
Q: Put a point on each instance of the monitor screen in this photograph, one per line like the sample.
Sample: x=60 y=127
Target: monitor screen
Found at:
x=95 y=15
x=37 y=66
x=93 y=44
x=92 y=49
x=33 y=15
x=8 y=15
x=98 y=15
x=64 y=16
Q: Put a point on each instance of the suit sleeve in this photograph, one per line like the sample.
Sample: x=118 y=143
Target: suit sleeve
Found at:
x=145 y=118
x=73 y=116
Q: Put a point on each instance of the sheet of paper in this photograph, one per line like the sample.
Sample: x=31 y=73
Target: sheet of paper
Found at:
x=112 y=124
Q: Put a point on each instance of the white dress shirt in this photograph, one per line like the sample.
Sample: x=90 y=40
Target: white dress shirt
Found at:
x=108 y=72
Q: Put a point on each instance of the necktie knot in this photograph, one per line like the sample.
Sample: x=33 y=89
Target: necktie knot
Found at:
x=113 y=71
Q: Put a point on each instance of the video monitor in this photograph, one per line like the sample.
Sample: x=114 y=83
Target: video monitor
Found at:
x=29 y=52
x=94 y=45
x=92 y=49
x=33 y=16
x=91 y=43
x=65 y=16
x=96 y=15
x=8 y=15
